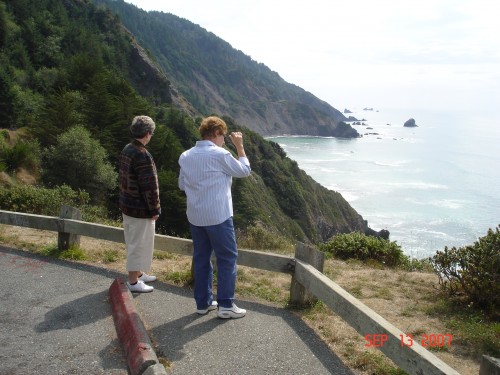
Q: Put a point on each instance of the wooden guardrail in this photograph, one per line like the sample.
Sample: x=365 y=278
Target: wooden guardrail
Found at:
x=307 y=281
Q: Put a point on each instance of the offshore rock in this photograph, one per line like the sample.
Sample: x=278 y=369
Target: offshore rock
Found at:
x=410 y=123
x=383 y=233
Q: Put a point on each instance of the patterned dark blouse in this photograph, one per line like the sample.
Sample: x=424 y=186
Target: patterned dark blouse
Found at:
x=139 y=192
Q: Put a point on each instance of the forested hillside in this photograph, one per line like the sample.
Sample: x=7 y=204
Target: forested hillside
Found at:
x=215 y=77
x=72 y=78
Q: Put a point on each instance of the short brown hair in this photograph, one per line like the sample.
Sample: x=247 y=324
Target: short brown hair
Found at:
x=211 y=125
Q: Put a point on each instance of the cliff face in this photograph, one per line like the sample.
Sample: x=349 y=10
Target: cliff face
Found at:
x=213 y=77
x=287 y=117
x=146 y=76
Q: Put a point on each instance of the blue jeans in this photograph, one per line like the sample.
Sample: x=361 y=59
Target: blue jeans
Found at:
x=221 y=240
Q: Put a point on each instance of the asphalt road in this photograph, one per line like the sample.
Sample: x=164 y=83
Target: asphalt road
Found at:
x=55 y=318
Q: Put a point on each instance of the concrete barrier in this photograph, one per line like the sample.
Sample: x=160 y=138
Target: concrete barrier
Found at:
x=131 y=332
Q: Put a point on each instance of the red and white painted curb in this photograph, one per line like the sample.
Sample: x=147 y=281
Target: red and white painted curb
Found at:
x=131 y=332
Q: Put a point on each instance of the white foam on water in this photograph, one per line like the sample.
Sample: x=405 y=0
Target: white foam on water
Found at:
x=432 y=186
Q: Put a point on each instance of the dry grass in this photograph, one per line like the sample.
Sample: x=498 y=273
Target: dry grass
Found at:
x=5 y=179
x=400 y=297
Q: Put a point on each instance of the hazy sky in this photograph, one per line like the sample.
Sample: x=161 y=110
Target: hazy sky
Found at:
x=364 y=53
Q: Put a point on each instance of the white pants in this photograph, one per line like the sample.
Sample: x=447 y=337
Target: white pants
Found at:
x=139 y=238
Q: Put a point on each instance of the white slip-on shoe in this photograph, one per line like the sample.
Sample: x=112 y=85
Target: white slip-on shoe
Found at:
x=147 y=278
x=213 y=306
x=231 y=312
x=139 y=287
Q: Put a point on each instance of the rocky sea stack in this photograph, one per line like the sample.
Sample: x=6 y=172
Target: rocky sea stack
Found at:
x=410 y=123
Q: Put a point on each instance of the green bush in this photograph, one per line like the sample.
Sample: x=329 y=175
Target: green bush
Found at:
x=43 y=201
x=472 y=272
x=356 y=245
x=420 y=265
x=78 y=160
x=257 y=237
x=22 y=154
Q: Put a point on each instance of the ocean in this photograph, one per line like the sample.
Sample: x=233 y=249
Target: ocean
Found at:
x=431 y=186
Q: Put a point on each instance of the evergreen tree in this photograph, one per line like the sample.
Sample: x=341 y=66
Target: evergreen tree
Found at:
x=3 y=25
x=61 y=112
x=7 y=100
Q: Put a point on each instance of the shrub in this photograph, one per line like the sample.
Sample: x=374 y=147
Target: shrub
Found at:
x=4 y=135
x=420 y=265
x=356 y=245
x=81 y=162
x=40 y=201
x=22 y=154
x=43 y=201
x=257 y=237
x=473 y=271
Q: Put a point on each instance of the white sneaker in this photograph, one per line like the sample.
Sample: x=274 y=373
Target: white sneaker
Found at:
x=213 y=306
x=140 y=287
x=147 y=278
x=231 y=312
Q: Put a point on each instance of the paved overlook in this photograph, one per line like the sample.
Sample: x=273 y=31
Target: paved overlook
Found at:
x=56 y=318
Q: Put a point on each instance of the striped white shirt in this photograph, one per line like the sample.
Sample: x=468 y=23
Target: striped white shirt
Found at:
x=206 y=177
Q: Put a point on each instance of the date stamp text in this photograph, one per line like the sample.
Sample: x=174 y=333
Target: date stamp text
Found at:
x=432 y=340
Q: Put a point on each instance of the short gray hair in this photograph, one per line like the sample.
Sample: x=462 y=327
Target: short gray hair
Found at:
x=142 y=125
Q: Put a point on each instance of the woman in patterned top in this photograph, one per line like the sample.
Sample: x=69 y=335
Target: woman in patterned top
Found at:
x=139 y=203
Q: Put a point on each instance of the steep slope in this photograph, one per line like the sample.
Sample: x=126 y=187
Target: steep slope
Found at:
x=67 y=63
x=284 y=198
x=216 y=78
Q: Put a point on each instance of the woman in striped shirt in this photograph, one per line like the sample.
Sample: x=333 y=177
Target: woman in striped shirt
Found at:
x=206 y=176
